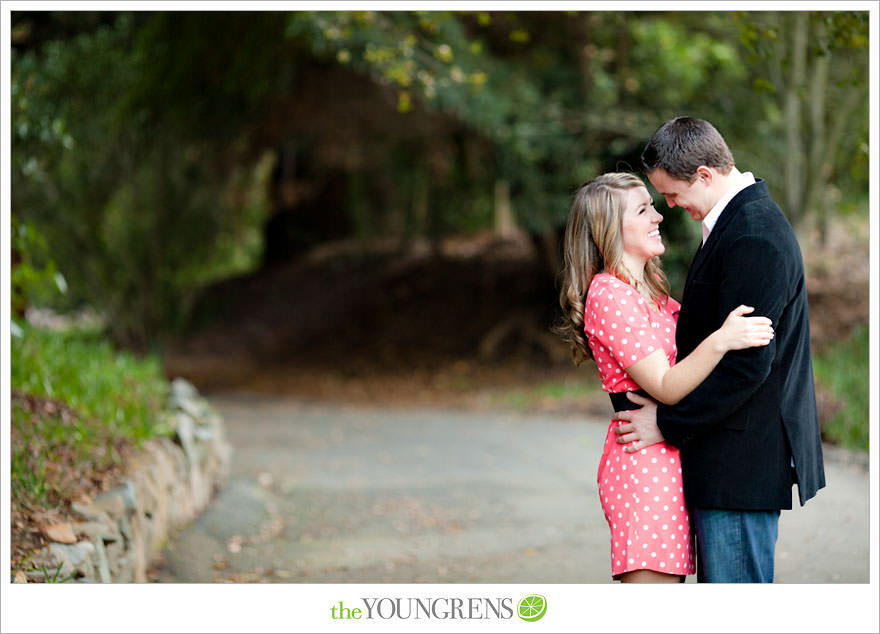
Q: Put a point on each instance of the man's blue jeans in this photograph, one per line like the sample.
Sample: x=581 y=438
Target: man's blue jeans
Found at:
x=735 y=546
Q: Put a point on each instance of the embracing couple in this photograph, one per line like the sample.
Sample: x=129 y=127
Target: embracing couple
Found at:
x=715 y=410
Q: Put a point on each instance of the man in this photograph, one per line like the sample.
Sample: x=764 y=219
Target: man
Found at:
x=750 y=430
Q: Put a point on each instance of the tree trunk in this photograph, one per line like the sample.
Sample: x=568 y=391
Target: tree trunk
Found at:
x=794 y=164
x=505 y=223
x=817 y=173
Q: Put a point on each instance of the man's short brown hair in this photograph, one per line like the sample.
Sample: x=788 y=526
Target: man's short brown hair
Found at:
x=682 y=144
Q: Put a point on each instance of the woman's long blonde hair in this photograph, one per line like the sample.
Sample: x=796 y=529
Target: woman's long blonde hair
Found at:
x=593 y=243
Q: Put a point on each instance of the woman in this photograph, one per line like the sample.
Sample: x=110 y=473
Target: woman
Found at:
x=615 y=299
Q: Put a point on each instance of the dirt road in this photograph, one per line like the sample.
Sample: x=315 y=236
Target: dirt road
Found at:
x=340 y=494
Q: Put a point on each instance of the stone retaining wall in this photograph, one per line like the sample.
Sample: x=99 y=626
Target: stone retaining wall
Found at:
x=167 y=484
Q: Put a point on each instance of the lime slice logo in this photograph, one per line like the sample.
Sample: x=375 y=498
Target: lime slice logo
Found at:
x=532 y=608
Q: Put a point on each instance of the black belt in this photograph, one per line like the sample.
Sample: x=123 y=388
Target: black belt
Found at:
x=621 y=403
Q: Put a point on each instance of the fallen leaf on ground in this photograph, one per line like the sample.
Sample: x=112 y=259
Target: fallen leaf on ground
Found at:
x=60 y=532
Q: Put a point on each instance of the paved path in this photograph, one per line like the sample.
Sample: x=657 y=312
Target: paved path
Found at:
x=326 y=493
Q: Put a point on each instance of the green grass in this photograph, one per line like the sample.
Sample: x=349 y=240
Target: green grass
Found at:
x=842 y=369
x=558 y=391
x=90 y=400
x=49 y=576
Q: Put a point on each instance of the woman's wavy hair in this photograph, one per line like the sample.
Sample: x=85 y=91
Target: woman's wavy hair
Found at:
x=593 y=243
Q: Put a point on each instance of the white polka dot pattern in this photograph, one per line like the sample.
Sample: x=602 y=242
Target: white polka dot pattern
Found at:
x=641 y=493
x=613 y=305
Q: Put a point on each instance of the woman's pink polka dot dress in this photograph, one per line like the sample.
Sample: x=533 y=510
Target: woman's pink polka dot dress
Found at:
x=641 y=493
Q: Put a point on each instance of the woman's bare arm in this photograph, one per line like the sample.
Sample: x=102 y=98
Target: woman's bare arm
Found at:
x=670 y=384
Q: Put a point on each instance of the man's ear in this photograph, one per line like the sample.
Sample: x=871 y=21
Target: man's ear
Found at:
x=705 y=175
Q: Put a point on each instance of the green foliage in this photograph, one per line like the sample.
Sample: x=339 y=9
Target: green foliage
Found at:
x=124 y=159
x=557 y=94
x=842 y=369
x=442 y=60
x=33 y=275
x=95 y=400
x=811 y=72
x=143 y=149
x=108 y=388
x=115 y=398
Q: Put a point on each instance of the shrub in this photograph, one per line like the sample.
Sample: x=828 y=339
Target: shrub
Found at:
x=842 y=370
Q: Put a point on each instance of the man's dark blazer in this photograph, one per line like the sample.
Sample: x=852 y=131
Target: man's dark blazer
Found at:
x=738 y=430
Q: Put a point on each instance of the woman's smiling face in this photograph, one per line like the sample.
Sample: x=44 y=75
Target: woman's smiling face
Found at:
x=640 y=226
